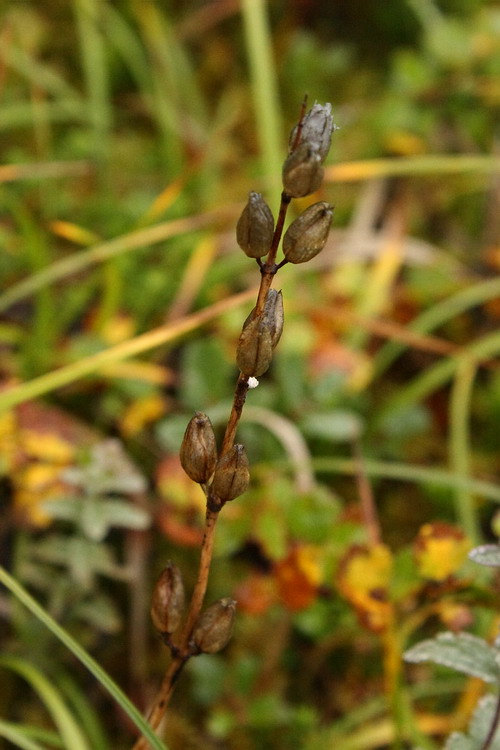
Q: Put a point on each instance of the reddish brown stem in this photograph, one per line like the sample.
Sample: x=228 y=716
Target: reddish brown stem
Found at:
x=240 y=395
x=183 y=651
x=368 y=507
x=269 y=268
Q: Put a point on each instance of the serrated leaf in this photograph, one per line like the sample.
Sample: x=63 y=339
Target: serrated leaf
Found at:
x=478 y=729
x=93 y=519
x=458 y=741
x=464 y=652
x=125 y=515
x=100 y=515
x=486 y=554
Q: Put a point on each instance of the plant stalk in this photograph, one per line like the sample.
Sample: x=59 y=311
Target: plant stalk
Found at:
x=182 y=652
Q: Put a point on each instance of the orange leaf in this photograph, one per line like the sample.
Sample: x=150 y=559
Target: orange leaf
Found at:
x=298 y=576
x=256 y=594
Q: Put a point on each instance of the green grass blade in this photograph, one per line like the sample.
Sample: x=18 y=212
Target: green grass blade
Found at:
x=93 y=667
x=93 y=57
x=68 y=728
x=265 y=90
x=164 y=334
x=460 y=402
x=99 y=253
x=438 y=375
x=436 y=315
x=408 y=473
x=40 y=75
x=83 y=709
x=16 y=736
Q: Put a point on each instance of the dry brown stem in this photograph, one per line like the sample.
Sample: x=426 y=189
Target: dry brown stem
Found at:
x=183 y=650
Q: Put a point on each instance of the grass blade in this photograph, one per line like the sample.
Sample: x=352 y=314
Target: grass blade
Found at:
x=94 y=668
x=68 y=728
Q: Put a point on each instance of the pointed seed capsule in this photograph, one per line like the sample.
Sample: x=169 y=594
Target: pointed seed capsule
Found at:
x=232 y=475
x=213 y=629
x=302 y=171
x=317 y=129
x=255 y=227
x=307 y=235
x=167 y=604
x=198 y=452
x=260 y=336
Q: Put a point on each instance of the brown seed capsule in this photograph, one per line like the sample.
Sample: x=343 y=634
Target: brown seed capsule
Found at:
x=255 y=227
x=302 y=171
x=213 y=629
x=307 y=235
x=232 y=475
x=260 y=336
x=198 y=452
x=317 y=129
x=167 y=604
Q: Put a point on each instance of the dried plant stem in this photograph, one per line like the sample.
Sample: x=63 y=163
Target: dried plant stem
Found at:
x=201 y=583
x=240 y=395
x=367 y=499
x=184 y=650
x=269 y=268
x=225 y=477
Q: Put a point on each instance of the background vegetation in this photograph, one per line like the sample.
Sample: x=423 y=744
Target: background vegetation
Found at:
x=131 y=133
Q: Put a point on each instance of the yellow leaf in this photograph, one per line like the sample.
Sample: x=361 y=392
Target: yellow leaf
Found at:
x=142 y=412
x=118 y=328
x=440 y=550
x=8 y=439
x=74 y=233
x=363 y=578
x=34 y=484
x=47 y=447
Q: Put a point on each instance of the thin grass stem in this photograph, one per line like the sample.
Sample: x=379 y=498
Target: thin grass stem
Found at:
x=89 y=365
x=460 y=462
x=264 y=88
x=437 y=376
x=111 y=249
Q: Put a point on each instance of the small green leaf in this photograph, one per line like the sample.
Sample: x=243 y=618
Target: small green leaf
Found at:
x=101 y=613
x=93 y=519
x=486 y=554
x=339 y=425
x=99 y=516
x=464 y=652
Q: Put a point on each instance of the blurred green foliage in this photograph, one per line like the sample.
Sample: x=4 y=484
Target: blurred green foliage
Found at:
x=119 y=117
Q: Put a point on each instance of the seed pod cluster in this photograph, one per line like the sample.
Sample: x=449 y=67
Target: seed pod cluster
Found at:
x=260 y=335
x=167 y=604
x=213 y=629
x=223 y=478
